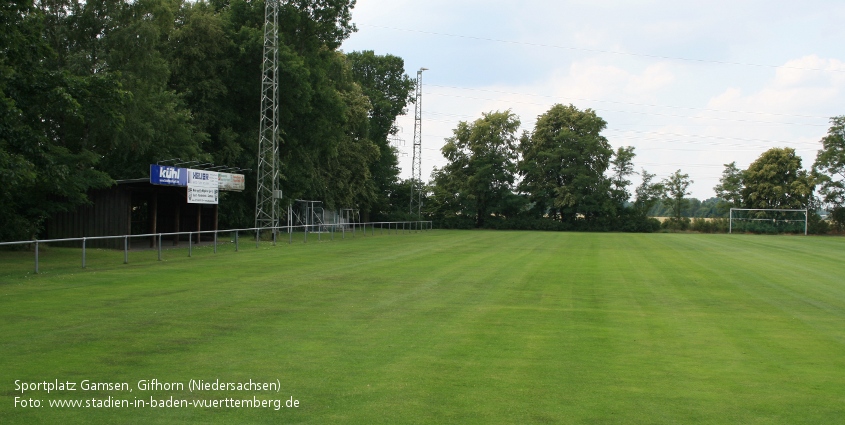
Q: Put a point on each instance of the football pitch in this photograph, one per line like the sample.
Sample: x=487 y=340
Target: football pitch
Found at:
x=435 y=327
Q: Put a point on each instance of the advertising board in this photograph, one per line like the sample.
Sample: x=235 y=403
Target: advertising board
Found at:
x=168 y=176
x=203 y=187
x=233 y=182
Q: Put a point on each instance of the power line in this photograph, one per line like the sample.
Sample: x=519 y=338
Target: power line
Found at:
x=700 y=136
x=613 y=52
x=633 y=103
x=637 y=112
x=712 y=137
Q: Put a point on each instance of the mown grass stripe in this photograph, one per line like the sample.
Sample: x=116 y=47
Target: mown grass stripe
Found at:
x=450 y=327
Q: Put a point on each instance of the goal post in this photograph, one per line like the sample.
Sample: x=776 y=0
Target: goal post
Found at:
x=768 y=220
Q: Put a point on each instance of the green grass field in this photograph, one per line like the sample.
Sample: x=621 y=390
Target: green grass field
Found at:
x=441 y=327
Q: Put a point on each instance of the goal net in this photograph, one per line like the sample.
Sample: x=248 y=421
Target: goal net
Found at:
x=768 y=221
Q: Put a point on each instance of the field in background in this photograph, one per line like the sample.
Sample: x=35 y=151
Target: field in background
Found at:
x=442 y=327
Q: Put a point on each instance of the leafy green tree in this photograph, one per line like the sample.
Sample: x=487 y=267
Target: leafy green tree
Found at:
x=158 y=125
x=729 y=189
x=710 y=208
x=622 y=167
x=649 y=193
x=348 y=169
x=389 y=90
x=200 y=57
x=776 y=180
x=677 y=188
x=310 y=25
x=482 y=166
x=830 y=170
x=47 y=137
x=563 y=165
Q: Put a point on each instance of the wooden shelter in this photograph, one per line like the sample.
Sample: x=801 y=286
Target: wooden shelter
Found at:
x=134 y=207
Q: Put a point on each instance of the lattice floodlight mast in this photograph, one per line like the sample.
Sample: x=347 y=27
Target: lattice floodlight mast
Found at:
x=416 y=159
x=267 y=194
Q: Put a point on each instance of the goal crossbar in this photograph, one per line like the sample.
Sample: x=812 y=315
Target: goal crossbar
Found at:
x=804 y=210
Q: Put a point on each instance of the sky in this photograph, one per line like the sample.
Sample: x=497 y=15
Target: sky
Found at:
x=690 y=85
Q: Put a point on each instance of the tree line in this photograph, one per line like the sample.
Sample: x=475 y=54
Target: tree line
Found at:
x=564 y=175
x=94 y=91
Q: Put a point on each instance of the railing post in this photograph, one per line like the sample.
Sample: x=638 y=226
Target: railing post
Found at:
x=290 y=235
x=83 y=253
x=236 y=241
x=36 y=256
x=215 y=242
x=159 y=247
x=257 y=236
x=274 y=236
x=126 y=250
x=190 y=244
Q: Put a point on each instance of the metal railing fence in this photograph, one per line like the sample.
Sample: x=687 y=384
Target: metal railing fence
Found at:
x=318 y=229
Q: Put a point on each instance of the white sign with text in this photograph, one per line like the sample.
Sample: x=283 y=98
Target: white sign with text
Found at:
x=203 y=187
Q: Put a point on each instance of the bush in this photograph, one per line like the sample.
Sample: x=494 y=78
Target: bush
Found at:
x=837 y=219
x=626 y=222
x=817 y=226
x=675 y=224
x=713 y=225
x=720 y=225
x=701 y=225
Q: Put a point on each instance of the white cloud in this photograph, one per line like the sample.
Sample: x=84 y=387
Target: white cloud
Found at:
x=678 y=114
x=800 y=85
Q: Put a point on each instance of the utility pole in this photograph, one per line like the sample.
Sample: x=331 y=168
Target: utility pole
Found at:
x=416 y=160
x=267 y=195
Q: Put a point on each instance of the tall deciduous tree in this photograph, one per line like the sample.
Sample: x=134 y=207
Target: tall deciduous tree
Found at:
x=389 y=89
x=729 y=189
x=159 y=125
x=482 y=166
x=830 y=169
x=563 y=164
x=649 y=193
x=622 y=166
x=776 y=180
x=677 y=188
x=51 y=121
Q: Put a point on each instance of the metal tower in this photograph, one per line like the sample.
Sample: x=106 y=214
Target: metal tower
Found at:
x=416 y=160
x=267 y=195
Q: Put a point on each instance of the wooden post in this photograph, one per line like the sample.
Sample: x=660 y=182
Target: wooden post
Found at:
x=176 y=237
x=129 y=216
x=153 y=218
x=199 y=222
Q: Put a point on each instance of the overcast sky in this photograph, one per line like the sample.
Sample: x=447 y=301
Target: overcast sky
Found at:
x=691 y=85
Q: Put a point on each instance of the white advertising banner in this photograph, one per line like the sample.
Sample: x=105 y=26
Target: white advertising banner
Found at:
x=233 y=182
x=203 y=187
